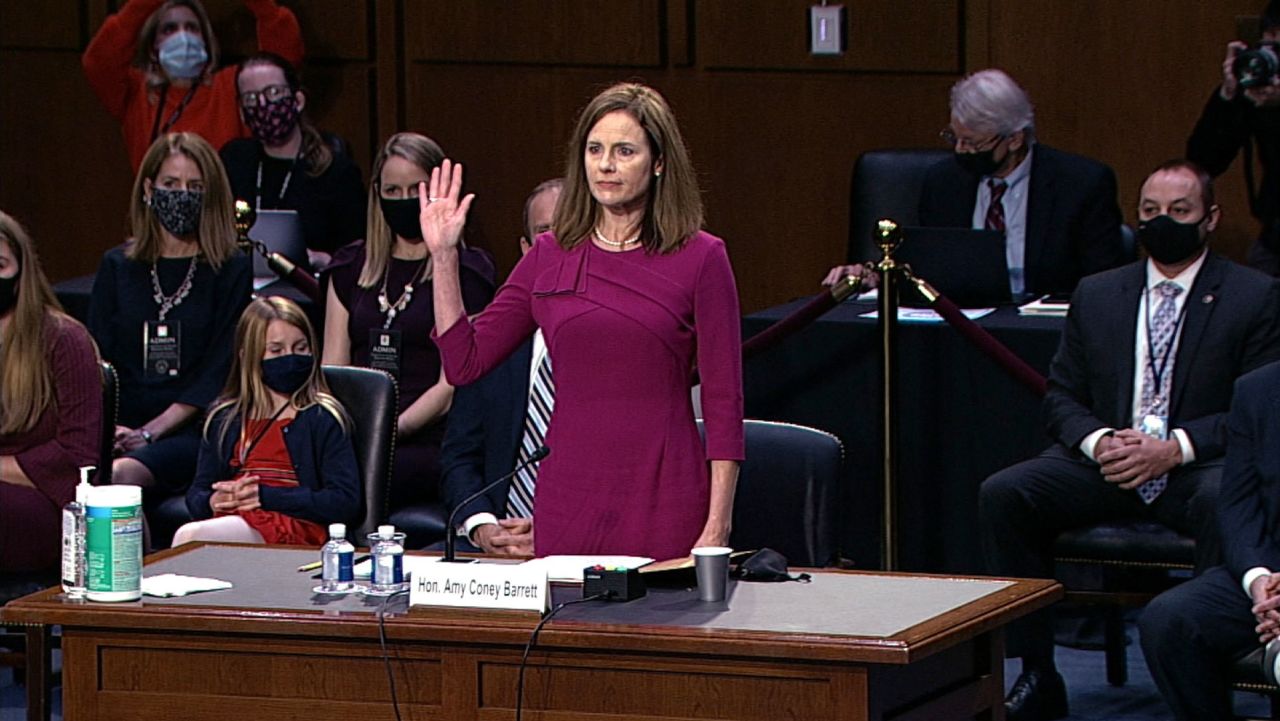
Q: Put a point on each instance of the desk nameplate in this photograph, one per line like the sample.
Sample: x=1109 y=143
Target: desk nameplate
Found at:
x=480 y=585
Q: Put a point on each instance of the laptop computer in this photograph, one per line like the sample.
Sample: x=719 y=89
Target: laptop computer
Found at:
x=966 y=265
x=281 y=232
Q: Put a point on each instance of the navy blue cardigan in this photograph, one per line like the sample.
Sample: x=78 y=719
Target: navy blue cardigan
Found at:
x=324 y=460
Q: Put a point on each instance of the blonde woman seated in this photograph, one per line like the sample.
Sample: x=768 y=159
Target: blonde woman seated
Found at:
x=276 y=462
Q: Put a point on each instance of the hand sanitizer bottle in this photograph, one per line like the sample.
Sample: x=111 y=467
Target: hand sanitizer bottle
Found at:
x=74 y=525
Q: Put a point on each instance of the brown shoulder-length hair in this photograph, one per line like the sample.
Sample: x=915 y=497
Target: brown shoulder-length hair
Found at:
x=378 y=239
x=217 y=232
x=673 y=212
x=144 y=55
x=315 y=150
x=245 y=395
x=26 y=375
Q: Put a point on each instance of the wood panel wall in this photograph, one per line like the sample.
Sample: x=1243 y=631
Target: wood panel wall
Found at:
x=773 y=131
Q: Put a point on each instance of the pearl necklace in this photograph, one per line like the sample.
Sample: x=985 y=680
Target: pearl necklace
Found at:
x=615 y=243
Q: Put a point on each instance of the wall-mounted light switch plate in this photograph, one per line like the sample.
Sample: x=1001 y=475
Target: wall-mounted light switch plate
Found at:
x=826 y=30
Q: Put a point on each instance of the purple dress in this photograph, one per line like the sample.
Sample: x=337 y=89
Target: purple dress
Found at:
x=627 y=473
x=415 y=470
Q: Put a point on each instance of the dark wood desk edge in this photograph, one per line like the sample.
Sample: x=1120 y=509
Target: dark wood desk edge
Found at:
x=499 y=628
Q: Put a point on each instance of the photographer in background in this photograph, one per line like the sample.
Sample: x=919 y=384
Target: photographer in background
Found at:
x=1242 y=112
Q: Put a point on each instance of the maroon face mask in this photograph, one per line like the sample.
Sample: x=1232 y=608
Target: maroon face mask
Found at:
x=272 y=122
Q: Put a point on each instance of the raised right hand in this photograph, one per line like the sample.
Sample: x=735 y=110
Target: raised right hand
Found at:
x=442 y=214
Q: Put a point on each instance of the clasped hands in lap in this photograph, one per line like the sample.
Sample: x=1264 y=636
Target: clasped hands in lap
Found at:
x=127 y=439
x=1130 y=457
x=234 y=496
x=507 y=537
x=1265 y=592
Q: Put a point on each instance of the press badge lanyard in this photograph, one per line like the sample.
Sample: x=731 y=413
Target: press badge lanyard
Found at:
x=253 y=442
x=284 y=186
x=155 y=126
x=1157 y=371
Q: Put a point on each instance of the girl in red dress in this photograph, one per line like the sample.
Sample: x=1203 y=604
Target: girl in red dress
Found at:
x=276 y=462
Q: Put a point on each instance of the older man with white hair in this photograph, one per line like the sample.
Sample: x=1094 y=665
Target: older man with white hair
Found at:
x=1058 y=210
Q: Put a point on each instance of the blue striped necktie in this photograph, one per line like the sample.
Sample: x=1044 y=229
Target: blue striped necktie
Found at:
x=542 y=399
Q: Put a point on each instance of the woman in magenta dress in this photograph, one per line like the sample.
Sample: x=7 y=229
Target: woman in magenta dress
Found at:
x=631 y=295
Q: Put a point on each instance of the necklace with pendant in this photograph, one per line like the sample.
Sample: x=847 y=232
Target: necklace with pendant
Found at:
x=385 y=306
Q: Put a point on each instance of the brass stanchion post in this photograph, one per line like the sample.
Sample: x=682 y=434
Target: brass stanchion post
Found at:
x=888 y=236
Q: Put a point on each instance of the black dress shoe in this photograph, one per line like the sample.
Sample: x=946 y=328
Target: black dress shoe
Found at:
x=1037 y=696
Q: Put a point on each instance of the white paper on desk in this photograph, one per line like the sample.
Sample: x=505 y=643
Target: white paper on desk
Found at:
x=364 y=569
x=928 y=315
x=1043 y=307
x=172 y=584
x=569 y=568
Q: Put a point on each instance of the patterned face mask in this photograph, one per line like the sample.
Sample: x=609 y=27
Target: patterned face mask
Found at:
x=272 y=123
x=177 y=210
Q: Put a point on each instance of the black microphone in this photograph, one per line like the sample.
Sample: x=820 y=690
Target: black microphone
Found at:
x=450 y=534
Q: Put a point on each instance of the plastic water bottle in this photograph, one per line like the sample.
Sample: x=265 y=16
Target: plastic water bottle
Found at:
x=336 y=558
x=74 y=527
x=387 y=548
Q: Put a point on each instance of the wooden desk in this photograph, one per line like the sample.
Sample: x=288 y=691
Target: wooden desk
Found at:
x=176 y=659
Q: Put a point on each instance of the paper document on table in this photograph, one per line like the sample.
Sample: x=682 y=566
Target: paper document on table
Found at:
x=1045 y=307
x=928 y=315
x=173 y=584
x=569 y=568
x=411 y=563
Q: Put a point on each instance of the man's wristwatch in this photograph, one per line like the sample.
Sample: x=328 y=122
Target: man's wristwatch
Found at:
x=146 y=435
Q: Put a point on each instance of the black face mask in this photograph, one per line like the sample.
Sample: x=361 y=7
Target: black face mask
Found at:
x=979 y=164
x=287 y=373
x=8 y=293
x=402 y=214
x=1169 y=242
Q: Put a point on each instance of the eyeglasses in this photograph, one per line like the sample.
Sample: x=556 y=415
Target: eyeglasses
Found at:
x=950 y=138
x=269 y=94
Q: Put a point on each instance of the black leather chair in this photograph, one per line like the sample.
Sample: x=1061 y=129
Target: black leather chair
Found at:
x=370 y=397
x=886 y=184
x=1246 y=675
x=787 y=490
x=422 y=523
x=1125 y=565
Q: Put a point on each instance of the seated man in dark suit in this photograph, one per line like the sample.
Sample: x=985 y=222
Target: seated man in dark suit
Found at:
x=1192 y=633
x=488 y=426
x=1137 y=403
x=1058 y=210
